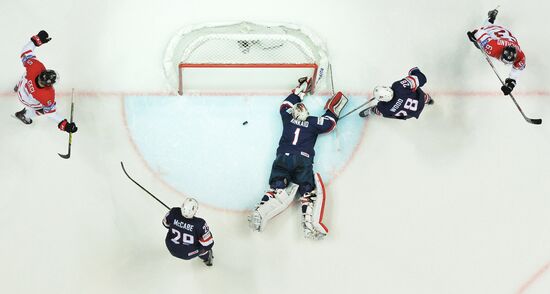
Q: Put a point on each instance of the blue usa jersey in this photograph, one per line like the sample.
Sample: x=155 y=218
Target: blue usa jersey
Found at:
x=299 y=137
x=186 y=236
x=408 y=98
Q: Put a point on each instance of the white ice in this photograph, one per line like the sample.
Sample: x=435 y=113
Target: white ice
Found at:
x=456 y=202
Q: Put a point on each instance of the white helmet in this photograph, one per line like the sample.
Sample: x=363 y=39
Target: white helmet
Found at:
x=299 y=111
x=189 y=207
x=383 y=93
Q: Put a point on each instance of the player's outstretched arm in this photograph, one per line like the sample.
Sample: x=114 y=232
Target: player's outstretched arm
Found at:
x=28 y=50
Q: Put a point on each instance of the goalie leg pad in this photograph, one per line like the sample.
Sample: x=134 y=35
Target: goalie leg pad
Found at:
x=336 y=103
x=313 y=209
x=273 y=203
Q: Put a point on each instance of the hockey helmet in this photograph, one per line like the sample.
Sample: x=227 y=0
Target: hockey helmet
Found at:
x=509 y=55
x=47 y=78
x=189 y=207
x=383 y=93
x=299 y=111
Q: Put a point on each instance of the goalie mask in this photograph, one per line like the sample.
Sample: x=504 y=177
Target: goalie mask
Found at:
x=47 y=78
x=189 y=208
x=509 y=55
x=383 y=93
x=299 y=111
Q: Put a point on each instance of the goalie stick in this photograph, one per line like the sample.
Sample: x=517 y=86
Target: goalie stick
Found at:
x=126 y=173
x=535 y=121
x=68 y=155
x=356 y=108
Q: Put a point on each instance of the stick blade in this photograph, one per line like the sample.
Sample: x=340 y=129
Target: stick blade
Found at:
x=535 y=121
x=66 y=156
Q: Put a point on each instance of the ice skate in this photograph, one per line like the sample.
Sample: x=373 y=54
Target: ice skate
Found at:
x=365 y=112
x=255 y=221
x=207 y=259
x=430 y=100
x=21 y=116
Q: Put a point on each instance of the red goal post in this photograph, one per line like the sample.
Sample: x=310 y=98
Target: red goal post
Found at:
x=245 y=57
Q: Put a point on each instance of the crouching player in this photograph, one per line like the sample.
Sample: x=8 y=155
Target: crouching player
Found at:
x=188 y=236
x=292 y=170
x=403 y=100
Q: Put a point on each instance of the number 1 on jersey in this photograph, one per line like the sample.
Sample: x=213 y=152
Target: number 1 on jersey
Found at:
x=296 y=135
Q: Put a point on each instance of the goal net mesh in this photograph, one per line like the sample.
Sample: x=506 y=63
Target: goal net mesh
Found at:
x=244 y=56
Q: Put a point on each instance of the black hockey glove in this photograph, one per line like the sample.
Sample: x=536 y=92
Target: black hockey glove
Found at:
x=509 y=85
x=492 y=15
x=472 y=38
x=41 y=38
x=69 y=127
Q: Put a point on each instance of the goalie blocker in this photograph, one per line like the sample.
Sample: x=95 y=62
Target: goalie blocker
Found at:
x=336 y=103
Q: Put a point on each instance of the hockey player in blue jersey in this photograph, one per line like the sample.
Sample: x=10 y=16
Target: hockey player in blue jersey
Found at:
x=405 y=98
x=292 y=170
x=188 y=236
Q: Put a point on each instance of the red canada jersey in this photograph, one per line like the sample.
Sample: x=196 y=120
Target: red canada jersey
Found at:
x=46 y=95
x=493 y=39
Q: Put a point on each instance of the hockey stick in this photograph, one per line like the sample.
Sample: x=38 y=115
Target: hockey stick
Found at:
x=331 y=79
x=356 y=108
x=535 y=121
x=124 y=170
x=68 y=155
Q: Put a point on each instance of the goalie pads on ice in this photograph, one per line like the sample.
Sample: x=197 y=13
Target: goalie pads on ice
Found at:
x=336 y=103
x=276 y=202
x=313 y=209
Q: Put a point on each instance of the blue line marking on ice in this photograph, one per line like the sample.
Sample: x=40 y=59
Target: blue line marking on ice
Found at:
x=200 y=147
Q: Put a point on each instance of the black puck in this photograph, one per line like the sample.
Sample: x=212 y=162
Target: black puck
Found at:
x=245 y=122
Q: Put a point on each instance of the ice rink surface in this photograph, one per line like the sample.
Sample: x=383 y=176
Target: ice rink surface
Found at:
x=456 y=202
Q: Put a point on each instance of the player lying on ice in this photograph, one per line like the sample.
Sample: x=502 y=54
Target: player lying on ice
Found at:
x=35 y=89
x=500 y=44
x=403 y=100
x=188 y=236
x=292 y=171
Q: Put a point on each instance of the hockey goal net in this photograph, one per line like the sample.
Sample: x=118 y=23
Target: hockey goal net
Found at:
x=245 y=57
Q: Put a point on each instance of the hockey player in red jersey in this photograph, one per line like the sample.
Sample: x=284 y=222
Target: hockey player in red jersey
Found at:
x=500 y=44
x=35 y=89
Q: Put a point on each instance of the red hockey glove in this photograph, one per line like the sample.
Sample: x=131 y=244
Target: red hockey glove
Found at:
x=41 y=38
x=69 y=127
